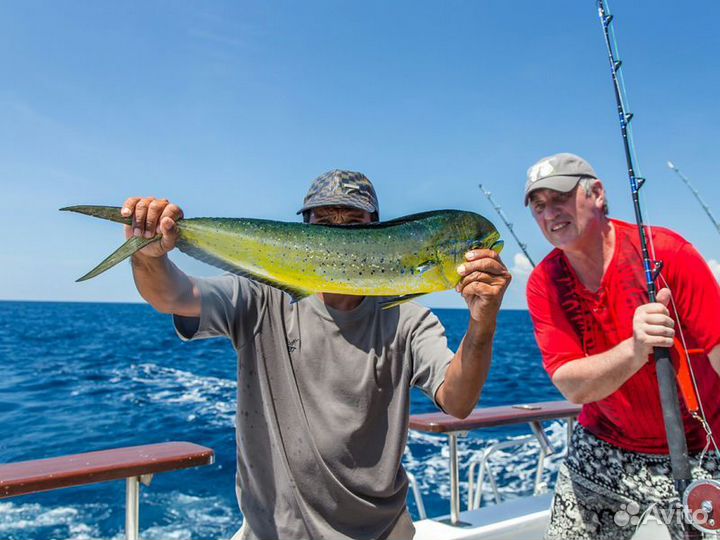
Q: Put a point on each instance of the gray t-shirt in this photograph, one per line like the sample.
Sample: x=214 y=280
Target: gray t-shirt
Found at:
x=323 y=405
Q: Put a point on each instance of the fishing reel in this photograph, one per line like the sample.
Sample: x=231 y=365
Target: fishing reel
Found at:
x=701 y=504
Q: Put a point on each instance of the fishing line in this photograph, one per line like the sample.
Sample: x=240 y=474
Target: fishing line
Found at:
x=702 y=418
x=631 y=142
x=666 y=375
x=625 y=100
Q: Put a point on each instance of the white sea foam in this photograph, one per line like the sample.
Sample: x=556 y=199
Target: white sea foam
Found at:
x=211 y=398
x=189 y=517
x=16 y=518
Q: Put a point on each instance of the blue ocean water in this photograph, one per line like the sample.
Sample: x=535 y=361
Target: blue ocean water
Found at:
x=79 y=377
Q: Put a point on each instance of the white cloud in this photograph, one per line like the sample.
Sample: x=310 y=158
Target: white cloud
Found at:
x=521 y=267
x=715 y=267
x=520 y=270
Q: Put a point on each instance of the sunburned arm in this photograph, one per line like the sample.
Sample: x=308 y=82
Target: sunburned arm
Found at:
x=468 y=370
x=593 y=378
x=162 y=284
x=165 y=287
x=715 y=359
x=484 y=281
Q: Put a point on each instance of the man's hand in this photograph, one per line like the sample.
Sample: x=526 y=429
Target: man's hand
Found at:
x=485 y=279
x=652 y=326
x=151 y=216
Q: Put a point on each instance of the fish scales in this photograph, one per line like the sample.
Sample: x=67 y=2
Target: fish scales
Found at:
x=349 y=260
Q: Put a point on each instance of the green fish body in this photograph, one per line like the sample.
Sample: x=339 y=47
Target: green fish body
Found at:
x=404 y=258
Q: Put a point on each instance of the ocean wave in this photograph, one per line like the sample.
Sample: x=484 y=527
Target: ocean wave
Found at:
x=184 y=516
x=98 y=376
x=19 y=521
x=197 y=396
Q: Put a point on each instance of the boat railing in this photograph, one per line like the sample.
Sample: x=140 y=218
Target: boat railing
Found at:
x=420 y=505
x=492 y=417
x=135 y=464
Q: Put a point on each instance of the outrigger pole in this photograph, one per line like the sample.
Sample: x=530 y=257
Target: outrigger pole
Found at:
x=674 y=427
x=697 y=195
x=507 y=223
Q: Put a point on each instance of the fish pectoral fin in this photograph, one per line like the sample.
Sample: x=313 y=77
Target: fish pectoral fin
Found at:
x=295 y=294
x=391 y=302
x=136 y=243
x=424 y=267
x=497 y=246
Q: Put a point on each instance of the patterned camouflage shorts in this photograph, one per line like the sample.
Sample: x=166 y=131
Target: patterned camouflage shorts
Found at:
x=602 y=492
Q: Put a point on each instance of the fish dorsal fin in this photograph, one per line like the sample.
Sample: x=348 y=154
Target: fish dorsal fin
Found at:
x=394 y=222
x=201 y=255
x=392 y=301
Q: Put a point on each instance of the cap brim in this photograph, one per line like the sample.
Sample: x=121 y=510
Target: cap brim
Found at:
x=339 y=201
x=556 y=183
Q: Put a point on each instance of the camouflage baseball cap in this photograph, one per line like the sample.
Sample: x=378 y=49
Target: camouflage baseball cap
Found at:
x=342 y=188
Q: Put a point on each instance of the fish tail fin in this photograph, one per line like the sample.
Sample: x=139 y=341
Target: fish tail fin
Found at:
x=136 y=243
x=111 y=213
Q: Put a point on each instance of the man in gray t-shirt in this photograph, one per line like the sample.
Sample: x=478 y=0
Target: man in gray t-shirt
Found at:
x=324 y=383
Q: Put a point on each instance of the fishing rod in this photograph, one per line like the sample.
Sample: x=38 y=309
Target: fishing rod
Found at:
x=507 y=223
x=695 y=192
x=677 y=444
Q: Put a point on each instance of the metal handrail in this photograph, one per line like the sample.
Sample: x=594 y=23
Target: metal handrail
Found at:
x=417 y=495
x=475 y=492
x=545 y=449
x=492 y=417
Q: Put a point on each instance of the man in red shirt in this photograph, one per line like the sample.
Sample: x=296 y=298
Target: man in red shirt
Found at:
x=596 y=330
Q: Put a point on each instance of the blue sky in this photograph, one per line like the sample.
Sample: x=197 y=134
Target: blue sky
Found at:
x=232 y=108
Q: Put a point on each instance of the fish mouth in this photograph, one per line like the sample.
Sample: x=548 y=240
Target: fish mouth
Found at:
x=493 y=241
x=489 y=241
x=497 y=246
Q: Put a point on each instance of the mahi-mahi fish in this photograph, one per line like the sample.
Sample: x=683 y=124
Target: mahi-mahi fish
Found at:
x=398 y=259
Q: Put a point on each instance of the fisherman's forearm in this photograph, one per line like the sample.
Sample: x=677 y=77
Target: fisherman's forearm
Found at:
x=593 y=378
x=164 y=286
x=468 y=370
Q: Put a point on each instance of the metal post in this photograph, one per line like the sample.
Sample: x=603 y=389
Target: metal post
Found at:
x=418 y=496
x=454 y=480
x=542 y=438
x=132 y=508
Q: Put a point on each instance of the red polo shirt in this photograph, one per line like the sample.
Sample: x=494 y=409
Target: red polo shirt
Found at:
x=572 y=322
